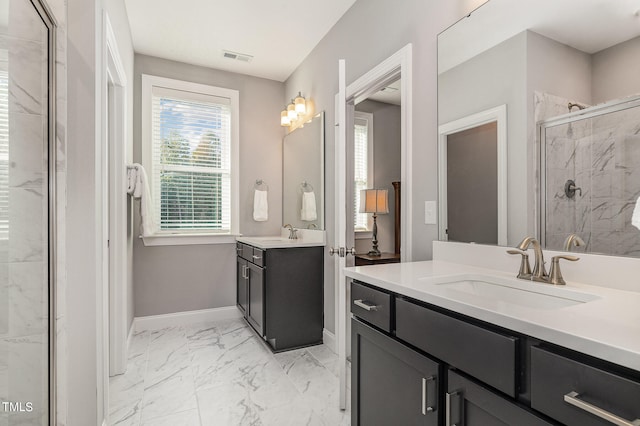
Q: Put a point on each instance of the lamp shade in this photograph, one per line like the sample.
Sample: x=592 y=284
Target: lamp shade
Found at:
x=284 y=118
x=374 y=201
x=300 y=103
x=291 y=111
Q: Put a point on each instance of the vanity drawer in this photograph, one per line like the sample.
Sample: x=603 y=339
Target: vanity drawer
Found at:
x=244 y=251
x=558 y=382
x=372 y=305
x=257 y=256
x=487 y=355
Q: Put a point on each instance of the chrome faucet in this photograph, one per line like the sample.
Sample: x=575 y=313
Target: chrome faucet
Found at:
x=573 y=240
x=293 y=232
x=539 y=272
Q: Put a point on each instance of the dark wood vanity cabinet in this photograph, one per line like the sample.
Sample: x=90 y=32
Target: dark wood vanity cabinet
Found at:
x=280 y=293
x=408 y=355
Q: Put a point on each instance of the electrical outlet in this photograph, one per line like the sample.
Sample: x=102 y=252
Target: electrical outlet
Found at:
x=430 y=216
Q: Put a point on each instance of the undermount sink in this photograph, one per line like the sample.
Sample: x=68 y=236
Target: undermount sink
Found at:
x=498 y=290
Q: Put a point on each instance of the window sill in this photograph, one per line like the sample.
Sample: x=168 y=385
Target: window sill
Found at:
x=363 y=235
x=188 y=239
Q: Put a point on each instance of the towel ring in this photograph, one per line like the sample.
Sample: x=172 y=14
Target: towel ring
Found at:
x=306 y=187
x=261 y=185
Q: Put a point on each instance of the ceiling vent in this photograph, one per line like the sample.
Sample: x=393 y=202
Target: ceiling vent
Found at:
x=237 y=56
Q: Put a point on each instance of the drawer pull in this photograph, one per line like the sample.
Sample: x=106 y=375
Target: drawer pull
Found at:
x=365 y=305
x=426 y=408
x=573 y=399
x=448 y=407
x=256 y=257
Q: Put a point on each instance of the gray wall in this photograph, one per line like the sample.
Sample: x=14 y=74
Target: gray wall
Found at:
x=616 y=70
x=386 y=167
x=182 y=278
x=371 y=31
x=120 y=24
x=82 y=257
x=493 y=78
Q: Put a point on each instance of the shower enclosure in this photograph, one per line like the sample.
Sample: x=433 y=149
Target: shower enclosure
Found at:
x=590 y=180
x=27 y=201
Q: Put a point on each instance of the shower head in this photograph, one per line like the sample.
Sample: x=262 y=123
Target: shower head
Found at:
x=571 y=105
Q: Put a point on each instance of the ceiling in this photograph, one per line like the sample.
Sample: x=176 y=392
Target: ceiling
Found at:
x=390 y=94
x=279 y=34
x=587 y=25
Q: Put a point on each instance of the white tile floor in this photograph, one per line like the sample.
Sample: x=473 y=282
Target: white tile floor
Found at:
x=221 y=373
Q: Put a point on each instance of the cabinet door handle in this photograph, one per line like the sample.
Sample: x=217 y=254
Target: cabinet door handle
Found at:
x=573 y=399
x=448 y=408
x=426 y=408
x=244 y=272
x=365 y=305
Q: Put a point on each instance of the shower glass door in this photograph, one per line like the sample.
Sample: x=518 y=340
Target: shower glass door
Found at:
x=591 y=187
x=26 y=133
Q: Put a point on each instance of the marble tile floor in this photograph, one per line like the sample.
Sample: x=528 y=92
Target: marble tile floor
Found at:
x=221 y=373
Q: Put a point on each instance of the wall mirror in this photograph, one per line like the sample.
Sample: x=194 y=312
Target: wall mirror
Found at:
x=303 y=175
x=568 y=75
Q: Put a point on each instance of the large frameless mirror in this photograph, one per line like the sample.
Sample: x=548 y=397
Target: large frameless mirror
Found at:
x=567 y=75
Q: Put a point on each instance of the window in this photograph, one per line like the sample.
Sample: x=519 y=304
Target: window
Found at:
x=363 y=166
x=190 y=154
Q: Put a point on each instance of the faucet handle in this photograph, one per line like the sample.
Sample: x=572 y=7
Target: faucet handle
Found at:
x=555 y=275
x=525 y=268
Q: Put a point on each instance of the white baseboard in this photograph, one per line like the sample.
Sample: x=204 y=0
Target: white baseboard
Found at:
x=130 y=337
x=329 y=340
x=157 y=322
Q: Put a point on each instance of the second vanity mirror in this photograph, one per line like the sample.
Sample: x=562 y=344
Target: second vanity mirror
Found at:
x=303 y=175
x=560 y=84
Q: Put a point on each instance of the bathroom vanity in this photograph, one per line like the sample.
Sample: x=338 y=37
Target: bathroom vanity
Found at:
x=280 y=289
x=454 y=344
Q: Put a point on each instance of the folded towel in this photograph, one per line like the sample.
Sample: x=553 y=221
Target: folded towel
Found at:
x=635 y=219
x=260 y=206
x=139 y=187
x=132 y=176
x=308 y=212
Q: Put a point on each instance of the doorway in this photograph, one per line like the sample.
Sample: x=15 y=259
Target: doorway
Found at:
x=398 y=66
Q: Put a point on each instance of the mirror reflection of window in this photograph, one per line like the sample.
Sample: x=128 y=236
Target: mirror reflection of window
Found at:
x=363 y=166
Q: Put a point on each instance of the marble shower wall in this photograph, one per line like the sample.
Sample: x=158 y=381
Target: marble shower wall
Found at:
x=24 y=293
x=602 y=156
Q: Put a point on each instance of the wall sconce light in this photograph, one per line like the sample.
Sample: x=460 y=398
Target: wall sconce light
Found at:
x=295 y=114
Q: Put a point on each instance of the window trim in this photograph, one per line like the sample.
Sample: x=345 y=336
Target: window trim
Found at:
x=174 y=237
x=368 y=118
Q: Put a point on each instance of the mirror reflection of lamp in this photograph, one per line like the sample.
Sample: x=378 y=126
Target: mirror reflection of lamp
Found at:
x=374 y=201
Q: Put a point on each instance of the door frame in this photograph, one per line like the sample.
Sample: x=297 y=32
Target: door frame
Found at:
x=499 y=116
x=114 y=142
x=398 y=65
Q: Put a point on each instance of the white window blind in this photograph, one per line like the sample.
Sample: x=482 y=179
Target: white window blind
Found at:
x=191 y=155
x=362 y=173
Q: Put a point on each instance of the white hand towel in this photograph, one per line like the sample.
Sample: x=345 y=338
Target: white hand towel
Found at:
x=308 y=212
x=132 y=176
x=635 y=219
x=260 y=206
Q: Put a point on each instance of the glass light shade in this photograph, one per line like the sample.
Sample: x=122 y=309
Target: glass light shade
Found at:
x=301 y=105
x=284 y=119
x=374 y=201
x=291 y=111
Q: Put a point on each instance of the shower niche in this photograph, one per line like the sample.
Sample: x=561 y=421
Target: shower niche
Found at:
x=590 y=176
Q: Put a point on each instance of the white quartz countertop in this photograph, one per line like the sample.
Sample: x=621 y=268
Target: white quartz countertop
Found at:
x=278 y=241
x=604 y=324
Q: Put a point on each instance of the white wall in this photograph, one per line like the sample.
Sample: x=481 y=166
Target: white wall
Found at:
x=371 y=31
x=182 y=278
x=616 y=70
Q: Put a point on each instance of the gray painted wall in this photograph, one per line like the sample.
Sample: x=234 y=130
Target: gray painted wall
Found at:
x=386 y=167
x=371 y=31
x=120 y=24
x=82 y=258
x=493 y=78
x=182 y=278
x=616 y=70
